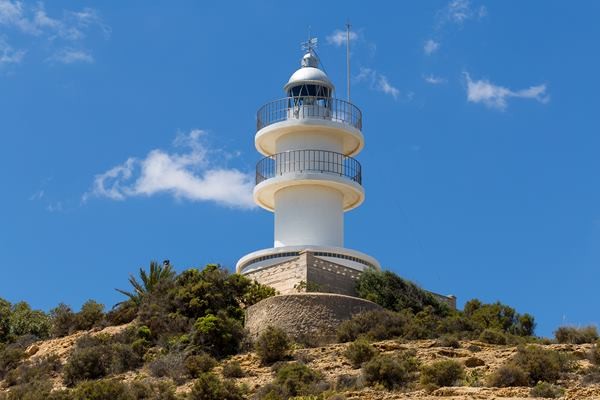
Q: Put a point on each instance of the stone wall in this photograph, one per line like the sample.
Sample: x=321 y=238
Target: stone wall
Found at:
x=316 y=274
x=305 y=314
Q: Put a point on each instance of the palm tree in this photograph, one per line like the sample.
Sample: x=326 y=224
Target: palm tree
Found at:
x=149 y=281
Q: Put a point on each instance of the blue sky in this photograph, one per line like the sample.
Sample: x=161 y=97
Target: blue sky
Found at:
x=126 y=135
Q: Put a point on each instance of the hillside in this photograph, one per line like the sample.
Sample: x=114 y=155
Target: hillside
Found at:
x=331 y=363
x=182 y=337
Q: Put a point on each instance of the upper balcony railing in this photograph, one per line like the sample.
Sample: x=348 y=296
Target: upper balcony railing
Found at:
x=309 y=107
x=321 y=161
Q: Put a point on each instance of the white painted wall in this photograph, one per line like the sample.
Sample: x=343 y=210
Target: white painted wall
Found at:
x=309 y=141
x=309 y=215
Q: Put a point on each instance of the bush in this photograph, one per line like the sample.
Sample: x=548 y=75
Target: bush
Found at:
x=63 y=320
x=492 y=336
x=574 y=335
x=448 y=341
x=507 y=376
x=104 y=389
x=37 y=370
x=153 y=390
x=218 y=335
x=209 y=387
x=25 y=321
x=5 y=311
x=389 y=371
x=170 y=365
x=359 y=352
x=442 y=373
x=233 y=369
x=296 y=379
x=196 y=365
x=272 y=345
x=95 y=357
x=394 y=293
x=540 y=364
x=377 y=325
x=90 y=315
x=10 y=356
x=546 y=390
x=499 y=317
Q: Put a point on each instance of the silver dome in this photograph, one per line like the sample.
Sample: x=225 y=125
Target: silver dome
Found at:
x=309 y=75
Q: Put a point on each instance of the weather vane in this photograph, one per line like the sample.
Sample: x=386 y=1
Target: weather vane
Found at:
x=310 y=44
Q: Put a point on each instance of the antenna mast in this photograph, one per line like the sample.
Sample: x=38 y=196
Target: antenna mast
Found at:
x=348 y=59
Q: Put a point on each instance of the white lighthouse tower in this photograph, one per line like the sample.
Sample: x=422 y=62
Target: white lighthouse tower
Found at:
x=308 y=179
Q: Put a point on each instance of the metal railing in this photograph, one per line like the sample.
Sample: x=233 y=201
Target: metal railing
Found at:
x=322 y=161
x=309 y=107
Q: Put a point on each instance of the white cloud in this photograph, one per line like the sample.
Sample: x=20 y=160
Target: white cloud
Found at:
x=431 y=46
x=434 y=80
x=338 y=37
x=70 y=56
x=494 y=96
x=62 y=32
x=191 y=175
x=377 y=81
x=8 y=55
x=460 y=11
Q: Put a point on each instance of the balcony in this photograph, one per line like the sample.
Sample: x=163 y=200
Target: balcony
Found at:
x=320 y=161
x=309 y=107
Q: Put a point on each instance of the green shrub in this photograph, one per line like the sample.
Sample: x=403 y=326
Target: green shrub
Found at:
x=442 y=373
x=547 y=390
x=10 y=356
x=359 y=352
x=169 y=365
x=104 y=389
x=391 y=372
x=90 y=315
x=218 y=335
x=541 y=364
x=95 y=357
x=499 y=317
x=507 y=376
x=233 y=369
x=152 y=390
x=36 y=390
x=272 y=345
x=492 y=336
x=296 y=379
x=5 y=311
x=394 y=293
x=378 y=325
x=195 y=365
x=571 y=334
x=208 y=386
x=123 y=313
x=36 y=370
x=25 y=321
x=448 y=341
x=63 y=320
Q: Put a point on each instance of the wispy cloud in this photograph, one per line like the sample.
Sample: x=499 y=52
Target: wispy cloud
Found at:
x=8 y=55
x=458 y=12
x=70 y=56
x=434 y=80
x=495 y=96
x=430 y=47
x=63 y=34
x=194 y=174
x=338 y=37
x=377 y=81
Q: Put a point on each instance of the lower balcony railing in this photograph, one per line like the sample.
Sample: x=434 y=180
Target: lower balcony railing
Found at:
x=322 y=161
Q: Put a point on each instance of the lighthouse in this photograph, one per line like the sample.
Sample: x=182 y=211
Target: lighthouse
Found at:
x=309 y=177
